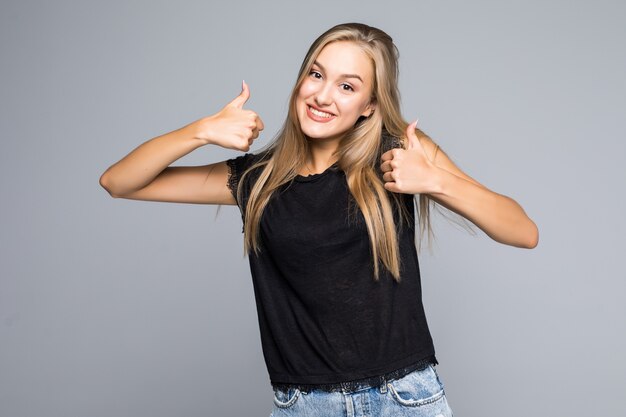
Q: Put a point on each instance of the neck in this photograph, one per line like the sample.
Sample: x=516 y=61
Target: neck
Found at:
x=321 y=156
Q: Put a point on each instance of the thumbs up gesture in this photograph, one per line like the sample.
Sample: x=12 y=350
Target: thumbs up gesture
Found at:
x=408 y=171
x=233 y=127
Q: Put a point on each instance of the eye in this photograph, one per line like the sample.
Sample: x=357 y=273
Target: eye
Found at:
x=315 y=74
x=347 y=87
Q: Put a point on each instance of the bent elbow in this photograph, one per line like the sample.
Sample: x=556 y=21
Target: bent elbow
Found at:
x=106 y=184
x=534 y=237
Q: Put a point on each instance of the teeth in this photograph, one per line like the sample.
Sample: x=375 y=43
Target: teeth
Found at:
x=320 y=113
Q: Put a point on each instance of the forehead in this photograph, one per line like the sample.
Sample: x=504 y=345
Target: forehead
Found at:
x=344 y=57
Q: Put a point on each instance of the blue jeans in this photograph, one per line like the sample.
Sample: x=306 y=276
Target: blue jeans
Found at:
x=419 y=393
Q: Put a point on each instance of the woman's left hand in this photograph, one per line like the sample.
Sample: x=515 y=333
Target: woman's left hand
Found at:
x=409 y=171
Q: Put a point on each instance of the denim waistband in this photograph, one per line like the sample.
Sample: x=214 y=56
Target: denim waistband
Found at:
x=359 y=384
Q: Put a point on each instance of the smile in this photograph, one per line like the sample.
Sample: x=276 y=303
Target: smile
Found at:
x=318 y=115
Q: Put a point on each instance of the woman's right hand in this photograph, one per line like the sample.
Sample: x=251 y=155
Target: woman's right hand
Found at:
x=233 y=127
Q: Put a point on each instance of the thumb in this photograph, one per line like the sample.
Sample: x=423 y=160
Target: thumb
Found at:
x=413 y=141
x=241 y=99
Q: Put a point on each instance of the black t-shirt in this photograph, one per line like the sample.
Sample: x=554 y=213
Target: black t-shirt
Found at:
x=323 y=317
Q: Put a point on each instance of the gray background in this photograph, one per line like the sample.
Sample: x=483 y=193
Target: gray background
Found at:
x=112 y=307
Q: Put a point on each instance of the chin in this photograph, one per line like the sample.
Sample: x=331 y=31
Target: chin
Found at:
x=320 y=131
x=320 y=134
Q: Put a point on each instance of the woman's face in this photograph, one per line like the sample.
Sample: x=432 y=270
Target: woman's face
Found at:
x=336 y=92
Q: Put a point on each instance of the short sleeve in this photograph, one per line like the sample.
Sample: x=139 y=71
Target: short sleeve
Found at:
x=237 y=167
x=389 y=142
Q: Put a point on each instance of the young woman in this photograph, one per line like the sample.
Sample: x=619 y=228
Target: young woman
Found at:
x=329 y=227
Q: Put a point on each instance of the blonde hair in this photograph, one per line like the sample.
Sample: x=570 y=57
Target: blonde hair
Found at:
x=358 y=153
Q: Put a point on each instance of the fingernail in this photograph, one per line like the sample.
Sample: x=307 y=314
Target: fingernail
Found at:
x=416 y=121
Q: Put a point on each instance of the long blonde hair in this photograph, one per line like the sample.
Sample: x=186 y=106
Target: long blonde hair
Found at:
x=358 y=153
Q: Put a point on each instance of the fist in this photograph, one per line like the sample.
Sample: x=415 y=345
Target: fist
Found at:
x=408 y=171
x=233 y=127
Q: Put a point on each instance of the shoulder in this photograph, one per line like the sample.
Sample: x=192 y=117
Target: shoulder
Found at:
x=245 y=167
x=389 y=141
x=242 y=163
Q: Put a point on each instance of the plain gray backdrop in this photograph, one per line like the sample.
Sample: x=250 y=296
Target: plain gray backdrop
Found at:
x=121 y=308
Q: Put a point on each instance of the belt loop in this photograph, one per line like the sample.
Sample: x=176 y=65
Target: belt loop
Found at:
x=383 y=385
x=344 y=387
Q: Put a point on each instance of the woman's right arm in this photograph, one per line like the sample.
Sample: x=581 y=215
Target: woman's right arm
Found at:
x=145 y=174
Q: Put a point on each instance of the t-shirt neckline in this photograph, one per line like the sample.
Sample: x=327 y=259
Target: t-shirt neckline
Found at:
x=312 y=177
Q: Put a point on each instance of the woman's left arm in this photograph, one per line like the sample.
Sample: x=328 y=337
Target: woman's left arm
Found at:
x=412 y=171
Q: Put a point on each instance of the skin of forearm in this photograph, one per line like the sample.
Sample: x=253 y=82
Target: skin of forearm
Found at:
x=145 y=162
x=499 y=216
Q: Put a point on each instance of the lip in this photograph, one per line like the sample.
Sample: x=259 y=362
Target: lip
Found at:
x=318 y=118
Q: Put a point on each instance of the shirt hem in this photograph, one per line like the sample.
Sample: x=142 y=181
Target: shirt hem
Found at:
x=352 y=384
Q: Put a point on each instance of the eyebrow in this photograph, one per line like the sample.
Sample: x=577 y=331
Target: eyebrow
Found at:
x=342 y=75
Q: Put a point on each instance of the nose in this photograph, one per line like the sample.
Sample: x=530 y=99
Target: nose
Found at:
x=323 y=96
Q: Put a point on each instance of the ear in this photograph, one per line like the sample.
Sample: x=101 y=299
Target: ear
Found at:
x=369 y=109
